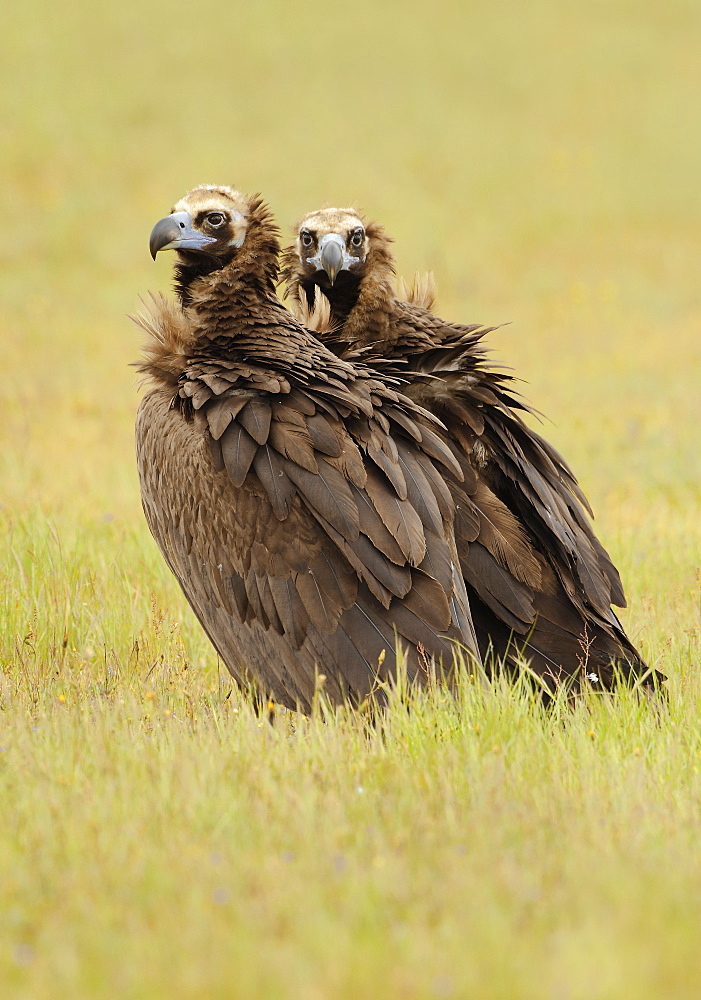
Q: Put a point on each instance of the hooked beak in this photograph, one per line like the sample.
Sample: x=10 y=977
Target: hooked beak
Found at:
x=332 y=256
x=331 y=253
x=176 y=232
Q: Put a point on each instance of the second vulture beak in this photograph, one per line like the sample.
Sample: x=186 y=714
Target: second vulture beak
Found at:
x=176 y=232
x=332 y=254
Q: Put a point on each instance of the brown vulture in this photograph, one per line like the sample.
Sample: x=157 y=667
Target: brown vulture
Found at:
x=299 y=499
x=540 y=583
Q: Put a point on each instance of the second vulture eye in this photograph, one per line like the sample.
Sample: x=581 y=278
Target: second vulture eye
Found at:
x=357 y=238
x=215 y=219
x=306 y=238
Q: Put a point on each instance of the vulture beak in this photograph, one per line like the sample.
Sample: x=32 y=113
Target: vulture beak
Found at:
x=332 y=256
x=176 y=232
x=331 y=253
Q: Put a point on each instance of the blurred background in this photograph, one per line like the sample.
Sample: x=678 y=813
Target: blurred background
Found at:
x=544 y=160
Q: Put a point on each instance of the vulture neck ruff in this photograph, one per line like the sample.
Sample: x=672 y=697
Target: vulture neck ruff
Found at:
x=220 y=299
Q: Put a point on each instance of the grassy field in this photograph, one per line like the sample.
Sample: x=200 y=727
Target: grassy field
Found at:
x=158 y=840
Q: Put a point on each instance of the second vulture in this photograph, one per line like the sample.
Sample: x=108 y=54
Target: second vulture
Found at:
x=540 y=583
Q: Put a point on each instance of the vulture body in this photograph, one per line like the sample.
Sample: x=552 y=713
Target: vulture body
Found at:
x=299 y=500
x=540 y=583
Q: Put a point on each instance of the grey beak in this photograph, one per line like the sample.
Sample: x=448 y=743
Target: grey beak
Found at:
x=176 y=232
x=332 y=253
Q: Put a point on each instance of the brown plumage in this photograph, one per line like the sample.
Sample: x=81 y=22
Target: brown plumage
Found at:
x=299 y=500
x=540 y=583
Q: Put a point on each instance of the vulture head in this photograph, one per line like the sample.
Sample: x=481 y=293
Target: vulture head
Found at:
x=207 y=228
x=208 y=220
x=338 y=253
x=332 y=244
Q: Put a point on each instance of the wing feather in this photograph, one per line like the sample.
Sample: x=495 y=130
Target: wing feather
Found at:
x=328 y=493
x=325 y=435
x=279 y=488
x=293 y=442
x=255 y=417
x=221 y=412
x=238 y=449
x=399 y=517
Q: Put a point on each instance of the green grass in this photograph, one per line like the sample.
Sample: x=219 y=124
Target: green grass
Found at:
x=158 y=840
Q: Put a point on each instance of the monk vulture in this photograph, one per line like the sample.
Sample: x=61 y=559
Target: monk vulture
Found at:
x=539 y=582
x=299 y=500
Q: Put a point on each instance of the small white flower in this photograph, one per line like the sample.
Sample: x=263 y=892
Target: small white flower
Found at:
x=594 y=678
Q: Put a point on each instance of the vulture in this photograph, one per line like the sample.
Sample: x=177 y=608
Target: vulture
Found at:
x=539 y=582
x=299 y=499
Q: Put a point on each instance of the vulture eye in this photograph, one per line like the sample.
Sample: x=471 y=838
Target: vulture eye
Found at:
x=216 y=219
x=357 y=238
x=306 y=238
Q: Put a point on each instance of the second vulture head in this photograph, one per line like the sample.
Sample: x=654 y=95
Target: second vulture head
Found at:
x=331 y=244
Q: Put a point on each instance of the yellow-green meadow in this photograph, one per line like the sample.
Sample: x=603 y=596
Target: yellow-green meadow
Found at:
x=159 y=840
